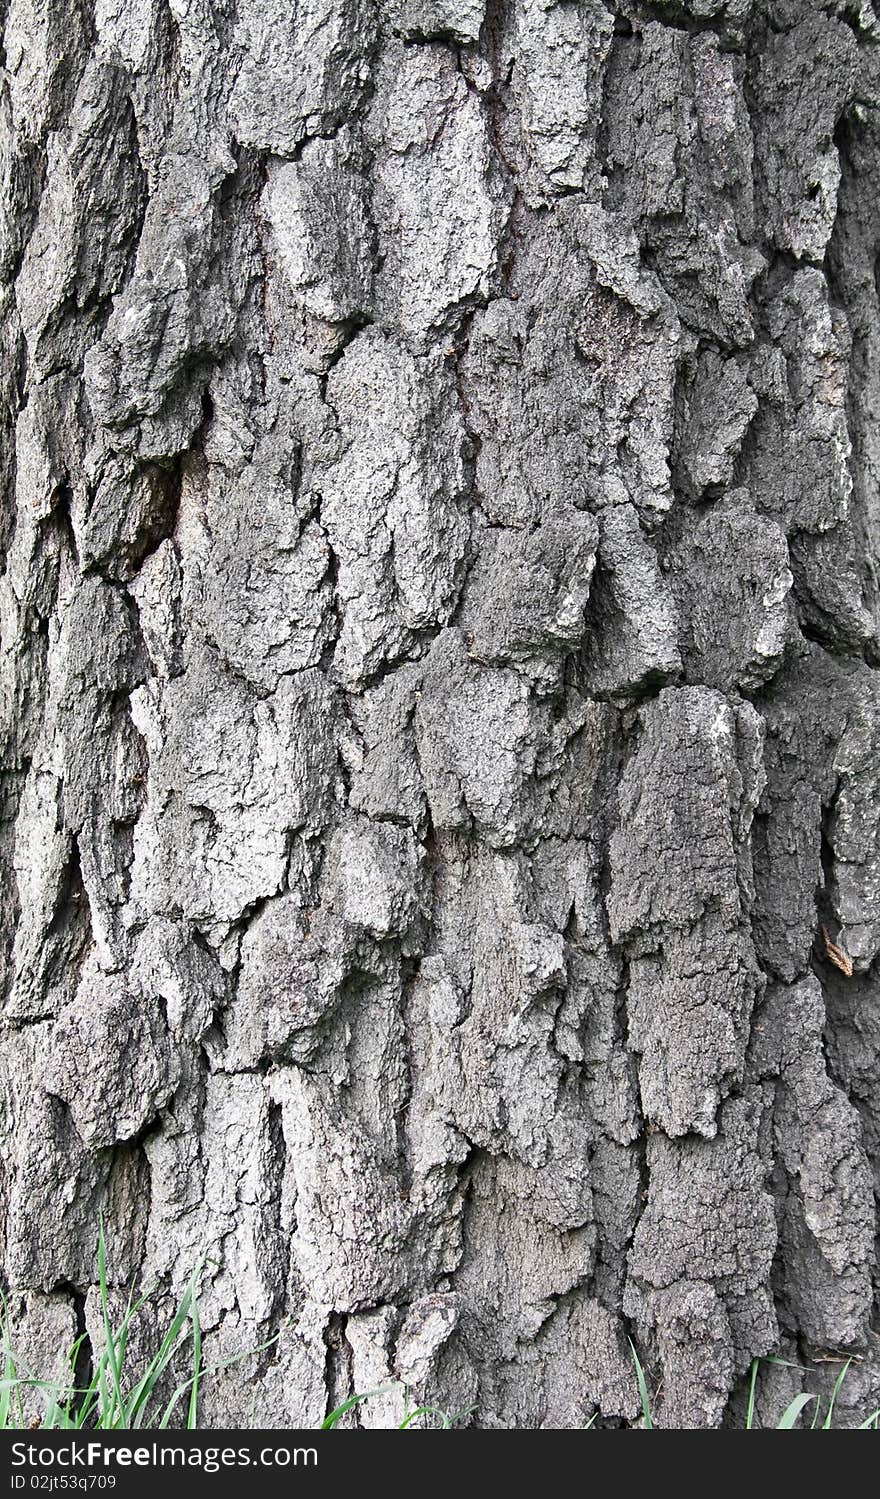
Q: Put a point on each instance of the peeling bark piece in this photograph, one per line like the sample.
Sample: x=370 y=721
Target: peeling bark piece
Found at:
x=801 y=430
x=429 y=1323
x=801 y=427
x=509 y=1068
x=432 y=1359
x=373 y=879
x=832 y=587
x=689 y=1013
x=175 y=1224
x=578 y=1364
x=88 y=220
x=41 y=1329
x=110 y=1061
x=557 y=76
x=369 y=1336
x=352 y=1226
x=37 y=40
x=716 y=406
x=632 y=626
x=694 y=1342
x=391 y=501
x=316 y=207
x=515 y=1265
x=527 y=592
x=386 y=780
x=94 y=749
x=675 y=855
x=458 y=19
x=292 y=969
x=257 y=568
x=231 y=776
x=242 y=1186
x=46 y=951
x=802 y=386
x=292 y=1387
x=806 y=710
x=566 y=383
x=303 y=70
x=478 y=738
x=126 y=34
x=55 y=1185
x=439 y=200
x=129 y=512
x=680 y=888
x=731 y=580
x=168 y=964
x=680 y=143
x=854 y=832
x=433 y=1140
x=157 y=591
x=47 y=1156
x=803 y=80
x=851 y=262
x=46 y=449
x=584 y=1329
x=170 y=317
x=827 y=1215
x=701 y=1256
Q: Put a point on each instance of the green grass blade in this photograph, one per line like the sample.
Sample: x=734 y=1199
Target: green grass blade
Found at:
x=462 y=1415
x=11 y=1395
x=136 y=1407
x=205 y=1371
x=643 y=1388
x=826 y=1424
x=68 y=1418
x=10 y=1386
x=332 y=1421
x=11 y=1405
x=427 y=1410
x=112 y=1404
x=792 y=1411
x=192 y=1413
x=171 y=1407
x=750 y=1413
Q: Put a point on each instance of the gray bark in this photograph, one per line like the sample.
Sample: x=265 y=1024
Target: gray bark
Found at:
x=439 y=698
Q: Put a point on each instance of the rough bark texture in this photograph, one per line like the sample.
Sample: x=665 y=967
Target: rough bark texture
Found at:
x=440 y=705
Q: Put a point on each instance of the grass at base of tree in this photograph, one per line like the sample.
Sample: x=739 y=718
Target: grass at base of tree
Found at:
x=793 y=1411
x=108 y=1401
x=112 y=1400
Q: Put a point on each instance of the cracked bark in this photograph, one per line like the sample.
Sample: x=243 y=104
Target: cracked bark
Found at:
x=439 y=702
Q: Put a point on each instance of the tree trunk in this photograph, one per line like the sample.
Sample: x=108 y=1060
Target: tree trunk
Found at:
x=440 y=625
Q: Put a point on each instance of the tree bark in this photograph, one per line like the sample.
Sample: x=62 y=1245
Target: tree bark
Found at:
x=439 y=691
